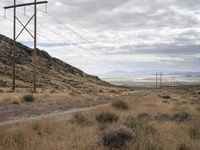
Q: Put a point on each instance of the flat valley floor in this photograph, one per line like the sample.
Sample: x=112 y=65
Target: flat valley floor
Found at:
x=136 y=119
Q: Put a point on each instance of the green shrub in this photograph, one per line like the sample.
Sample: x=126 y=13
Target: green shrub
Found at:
x=29 y=98
x=120 y=105
x=107 y=117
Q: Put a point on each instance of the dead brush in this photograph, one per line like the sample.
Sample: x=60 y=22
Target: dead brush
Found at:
x=119 y=104
x=80 y=119
x=107 y=117
x=181 y=117
x=117 y=138
x=183 y=147
x=132 y=123
x=144 y=117
x=194 y=131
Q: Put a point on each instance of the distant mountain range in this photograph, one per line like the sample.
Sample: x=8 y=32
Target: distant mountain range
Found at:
x=123 y=74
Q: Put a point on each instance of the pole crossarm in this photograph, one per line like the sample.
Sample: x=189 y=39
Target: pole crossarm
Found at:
x=24 y=27
x=26 y=4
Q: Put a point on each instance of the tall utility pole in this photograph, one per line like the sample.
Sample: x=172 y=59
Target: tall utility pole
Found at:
x=15 y=18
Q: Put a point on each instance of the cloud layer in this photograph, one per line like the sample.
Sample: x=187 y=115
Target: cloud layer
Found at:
x=120 y=34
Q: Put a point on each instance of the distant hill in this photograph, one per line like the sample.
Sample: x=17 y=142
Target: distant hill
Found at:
x=124 y=74
x=186 y=74
x=51 y=72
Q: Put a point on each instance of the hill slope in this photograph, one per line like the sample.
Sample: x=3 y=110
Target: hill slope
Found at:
x=51 y=72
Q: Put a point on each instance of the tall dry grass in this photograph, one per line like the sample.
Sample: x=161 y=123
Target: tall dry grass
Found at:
x=151 y=134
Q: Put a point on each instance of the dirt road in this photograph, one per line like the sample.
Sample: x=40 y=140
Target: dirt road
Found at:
x=17 y=113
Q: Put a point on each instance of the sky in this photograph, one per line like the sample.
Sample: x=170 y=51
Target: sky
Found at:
x=100 y=36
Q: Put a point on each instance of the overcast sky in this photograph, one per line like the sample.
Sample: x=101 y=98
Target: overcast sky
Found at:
x=127 y=35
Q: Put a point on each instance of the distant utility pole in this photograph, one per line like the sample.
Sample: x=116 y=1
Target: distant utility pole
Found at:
x=171 y=81
x=161 y=84
x=156 y=80
x=174 y=81
x=15 y=18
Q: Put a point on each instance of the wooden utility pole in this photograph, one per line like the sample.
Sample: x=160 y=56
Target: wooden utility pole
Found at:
x=156 y=80
x=15 y=18
x=161 y=84
x=174 y=81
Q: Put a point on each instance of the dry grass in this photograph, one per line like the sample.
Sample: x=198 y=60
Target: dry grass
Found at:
x=151 y=134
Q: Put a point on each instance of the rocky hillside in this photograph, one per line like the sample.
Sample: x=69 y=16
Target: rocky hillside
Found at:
x=51 y=72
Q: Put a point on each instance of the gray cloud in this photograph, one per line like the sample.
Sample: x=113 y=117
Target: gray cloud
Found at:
x=122 y=33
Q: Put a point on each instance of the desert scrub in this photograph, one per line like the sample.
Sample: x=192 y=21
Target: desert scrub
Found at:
x=117 y=138
x=80 y=119
x=19 y=140
x=166 y=97
x=198 y=109
x=162 y=117
x=106 y=117
x=133 y=124
x=119 y=104
x=194 y=130
x=145 y=116
x=37 y=128
x=183 y=147
x=29 y=98
x=149 y=130
x=181 y=117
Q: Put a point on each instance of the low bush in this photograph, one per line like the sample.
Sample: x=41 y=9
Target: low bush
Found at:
x=143 y=116
x=181 y=117
x=120 y=105
x=117 y=138
x=183 y=147
x=152 y=146
x=19 y=140
x=166 y=97
x=162 y=117
x=198 y=109
x=194 y=132
x=80 y=119
x=165 y=101
x=107 y=117
x=149 y=130
x=29 y=98
x=15 y=102
x=36 y=126
x=133 y=124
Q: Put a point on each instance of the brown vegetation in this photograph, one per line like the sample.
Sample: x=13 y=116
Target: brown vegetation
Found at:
x=148 y=124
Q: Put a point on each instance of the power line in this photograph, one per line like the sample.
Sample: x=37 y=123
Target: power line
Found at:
x=64 y=25
x=62 y=37
x=57 y=34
